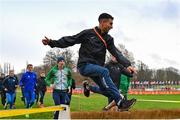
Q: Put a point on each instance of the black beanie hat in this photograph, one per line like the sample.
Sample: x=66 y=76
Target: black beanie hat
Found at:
x=60 y=59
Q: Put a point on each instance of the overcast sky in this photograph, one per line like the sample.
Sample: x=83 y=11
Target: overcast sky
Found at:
x=150 y=29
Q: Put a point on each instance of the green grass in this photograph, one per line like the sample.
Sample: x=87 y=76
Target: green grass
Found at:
x=156 y=105
x=96 y=102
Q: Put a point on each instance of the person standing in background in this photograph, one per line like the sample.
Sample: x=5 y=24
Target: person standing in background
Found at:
x=124 y=85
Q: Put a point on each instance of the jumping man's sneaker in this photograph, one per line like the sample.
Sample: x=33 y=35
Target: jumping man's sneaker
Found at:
x=86 y=89
x=105 y=109
x=133 y=102
x=133 y=99
x=126 y=104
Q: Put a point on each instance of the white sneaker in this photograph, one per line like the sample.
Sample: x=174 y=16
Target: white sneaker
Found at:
x=5 y=106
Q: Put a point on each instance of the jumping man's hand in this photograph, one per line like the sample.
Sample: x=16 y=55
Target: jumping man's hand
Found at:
x=45 y=41
x=131 y=69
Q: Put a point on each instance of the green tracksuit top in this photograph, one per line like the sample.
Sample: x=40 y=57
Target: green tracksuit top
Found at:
x=62 y=79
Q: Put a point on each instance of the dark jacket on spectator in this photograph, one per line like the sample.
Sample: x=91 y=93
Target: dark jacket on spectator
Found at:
x=41 y=84
x=10 y=83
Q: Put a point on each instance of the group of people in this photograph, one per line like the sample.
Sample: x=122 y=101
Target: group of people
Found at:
x=59 y=78
x=91 y=63
x=31 y=88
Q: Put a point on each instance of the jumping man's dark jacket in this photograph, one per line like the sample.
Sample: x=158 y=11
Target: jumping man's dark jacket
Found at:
x=92 y=49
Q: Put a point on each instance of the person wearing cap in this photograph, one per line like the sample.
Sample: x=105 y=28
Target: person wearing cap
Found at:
x=94 y=43
x=60 y=80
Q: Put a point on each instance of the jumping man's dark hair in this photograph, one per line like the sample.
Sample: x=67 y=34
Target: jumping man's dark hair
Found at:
x=105 y=16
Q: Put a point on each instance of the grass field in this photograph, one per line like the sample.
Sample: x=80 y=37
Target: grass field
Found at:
x=96 y=102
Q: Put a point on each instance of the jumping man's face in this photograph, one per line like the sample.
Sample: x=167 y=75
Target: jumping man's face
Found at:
x=107 y=24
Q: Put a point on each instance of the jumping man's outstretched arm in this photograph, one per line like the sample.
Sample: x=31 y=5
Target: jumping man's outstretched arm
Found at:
x=65 y=41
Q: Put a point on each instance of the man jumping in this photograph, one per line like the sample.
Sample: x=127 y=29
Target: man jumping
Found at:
x=92 y=52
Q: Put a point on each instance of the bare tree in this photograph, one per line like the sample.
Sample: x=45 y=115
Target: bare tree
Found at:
x=51 y=57
x=125 y=52
x=143 y=72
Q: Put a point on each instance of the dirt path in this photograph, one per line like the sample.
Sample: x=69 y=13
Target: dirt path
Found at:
x=134 y=114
